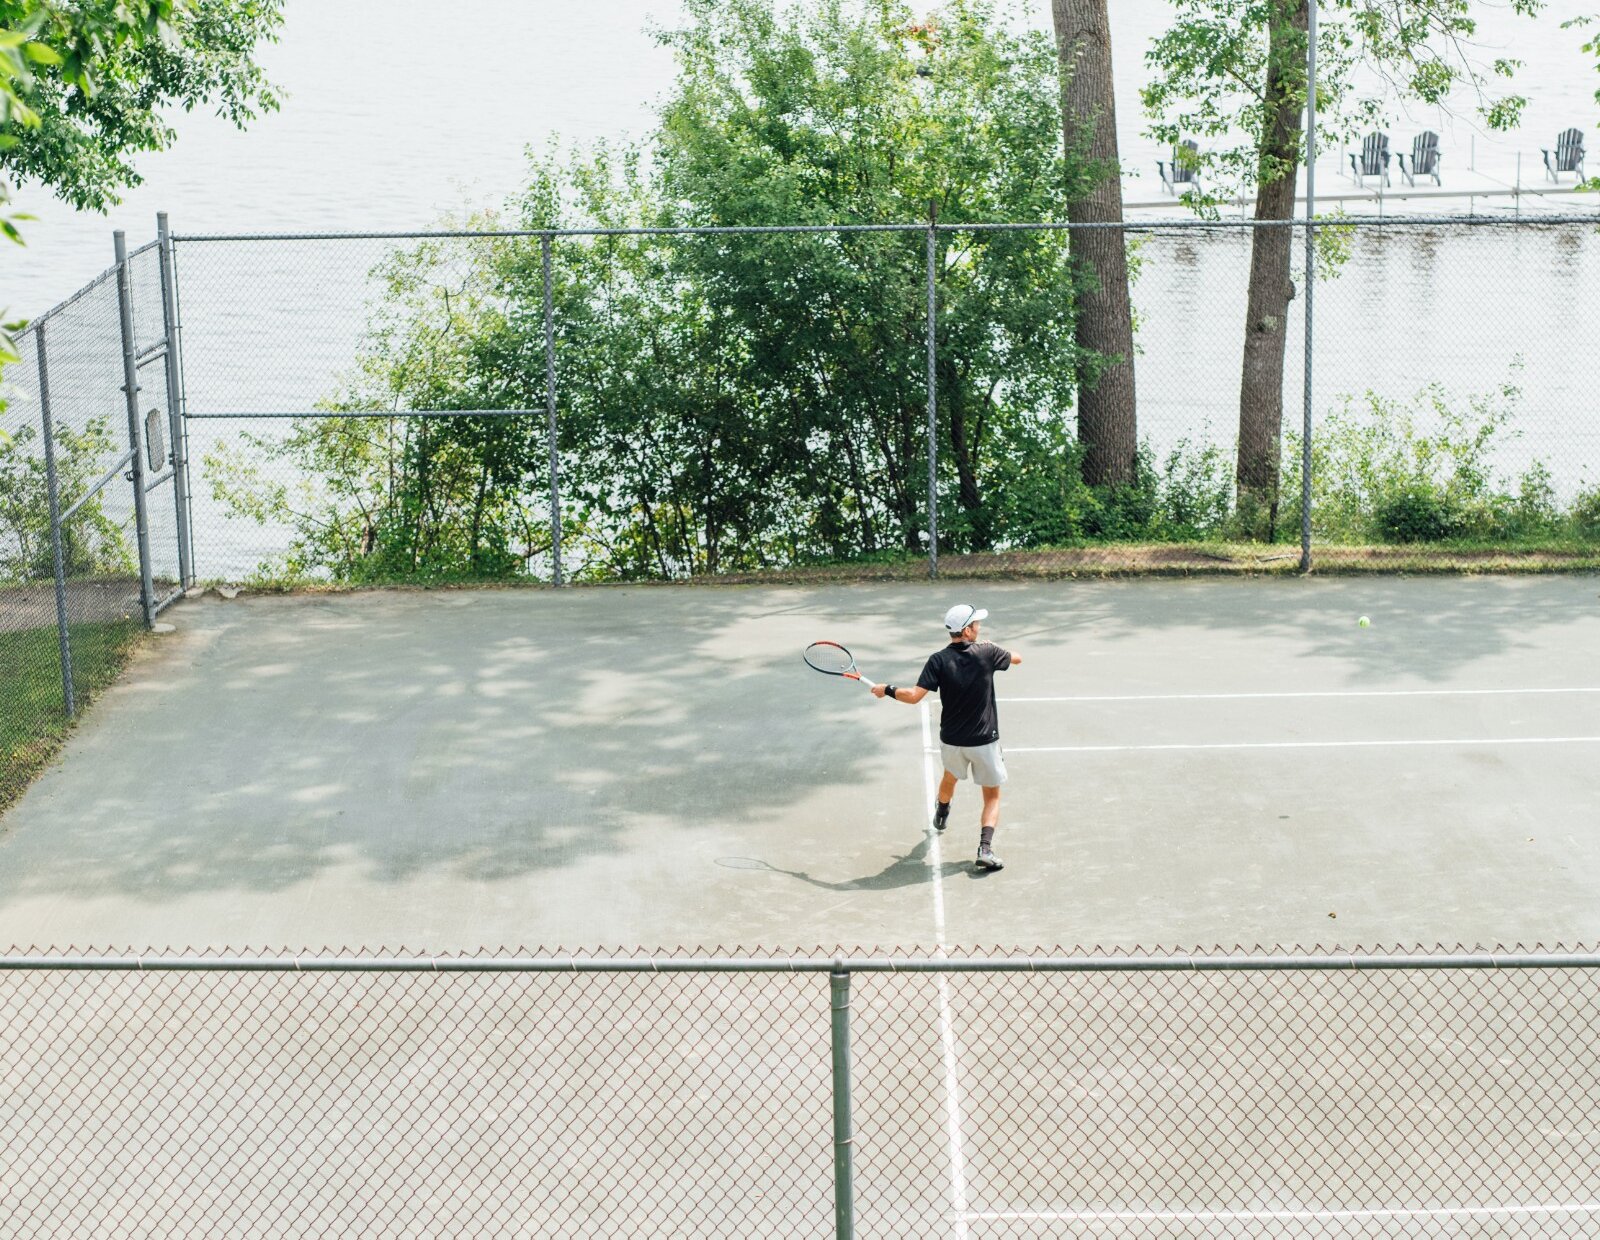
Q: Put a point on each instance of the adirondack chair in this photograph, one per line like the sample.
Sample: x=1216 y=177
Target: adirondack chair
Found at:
x=1374 y=159
x=1568 y=155
x=1425 y=159
x=1181 y=171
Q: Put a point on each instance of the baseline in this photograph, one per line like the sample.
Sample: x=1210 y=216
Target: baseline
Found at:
x=1285 y=1215
x=1394 y=744
x=1306 y=693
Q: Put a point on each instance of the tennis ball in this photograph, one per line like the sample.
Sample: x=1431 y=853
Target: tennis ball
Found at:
x=1363 y=622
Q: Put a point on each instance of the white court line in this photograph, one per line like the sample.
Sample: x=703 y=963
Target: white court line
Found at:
x=1309 y=693
x=947 y=1037
x=1247 y=1216
x=1503 y=740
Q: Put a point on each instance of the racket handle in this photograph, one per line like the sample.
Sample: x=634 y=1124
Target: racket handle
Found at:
x=869 y=684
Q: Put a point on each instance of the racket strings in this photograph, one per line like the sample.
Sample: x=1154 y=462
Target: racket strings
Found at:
x=829 y=657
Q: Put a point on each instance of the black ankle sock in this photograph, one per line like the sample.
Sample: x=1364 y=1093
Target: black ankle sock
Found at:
x=986 y=837
x=941 y=807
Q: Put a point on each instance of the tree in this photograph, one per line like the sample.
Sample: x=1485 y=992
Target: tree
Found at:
x=115 y=66
x=1107 y=414
x=731 y=403
x=1593 y=48
x=1234 y=71
x=851 y=112
x=82 y=86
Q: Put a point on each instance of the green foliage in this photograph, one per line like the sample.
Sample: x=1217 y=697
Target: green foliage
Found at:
x=1423 y=471
x=92 y=93
x=82 y=86
x=847 y=112
x=1414 y=512
x=1208 y=72
x=91 y=541
x=1585 y=513
x=736 y=402
x=1592 y=47
x=33 y=717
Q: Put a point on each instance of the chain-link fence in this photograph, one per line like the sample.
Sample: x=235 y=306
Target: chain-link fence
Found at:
x=1213 y=1095
x=89 y=542
x=886 y=399
x=736 y=401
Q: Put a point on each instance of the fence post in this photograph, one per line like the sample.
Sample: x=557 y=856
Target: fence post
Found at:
x=843 y=1136
x=550 y=406
x=1310 y=281
x=175 y=419
x=53 y=491
x=933 y=406
x=130 y=388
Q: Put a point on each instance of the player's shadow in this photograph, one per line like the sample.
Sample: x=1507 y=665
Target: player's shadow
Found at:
x=910 y=870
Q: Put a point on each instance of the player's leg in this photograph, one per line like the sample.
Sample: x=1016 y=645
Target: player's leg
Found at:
x=957 y=766
x=990 y=769
x=947 y=789
x=991 y=812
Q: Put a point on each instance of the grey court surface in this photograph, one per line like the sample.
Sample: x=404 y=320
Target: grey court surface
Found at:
x=1193 y=763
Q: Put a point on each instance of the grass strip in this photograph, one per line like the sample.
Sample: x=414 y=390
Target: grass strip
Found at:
x=33 y=716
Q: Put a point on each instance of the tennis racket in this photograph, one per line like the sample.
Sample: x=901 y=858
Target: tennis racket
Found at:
x=832 y=659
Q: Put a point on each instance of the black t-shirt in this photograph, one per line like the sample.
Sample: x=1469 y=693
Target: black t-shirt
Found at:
x=962 y=674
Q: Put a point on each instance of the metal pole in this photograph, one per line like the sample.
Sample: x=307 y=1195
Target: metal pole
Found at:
x=130 y=388
x=1310 y=281
x=843 y=1136
x=183 y=398
x=52 y=489
x=175 y=427
x=550 y=405
x=933 y=401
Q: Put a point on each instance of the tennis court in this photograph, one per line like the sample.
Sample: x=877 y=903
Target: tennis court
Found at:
x=1193 y=763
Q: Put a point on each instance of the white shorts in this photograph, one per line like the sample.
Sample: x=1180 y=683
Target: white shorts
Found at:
x=985 y=763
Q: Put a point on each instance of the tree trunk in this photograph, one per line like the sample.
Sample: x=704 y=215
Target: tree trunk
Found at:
x=1107 y=419
x=1271 y=284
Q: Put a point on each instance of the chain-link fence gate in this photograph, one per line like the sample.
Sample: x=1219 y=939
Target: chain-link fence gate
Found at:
x=93 y=502
x=678 y=1095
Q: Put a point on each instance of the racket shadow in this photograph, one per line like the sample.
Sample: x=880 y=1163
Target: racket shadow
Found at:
x=909 y=870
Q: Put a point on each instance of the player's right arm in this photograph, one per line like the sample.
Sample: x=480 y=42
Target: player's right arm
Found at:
x=909 y=696
x=927 y=683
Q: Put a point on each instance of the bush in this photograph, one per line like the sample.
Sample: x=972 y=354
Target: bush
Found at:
x=1423 y=470
x=1585 y=513
x=1416 y=512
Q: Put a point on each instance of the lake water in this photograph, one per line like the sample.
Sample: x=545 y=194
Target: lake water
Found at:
x=389 y=120
x=387 y=127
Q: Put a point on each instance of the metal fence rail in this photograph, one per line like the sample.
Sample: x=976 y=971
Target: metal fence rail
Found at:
x=1281 y=1094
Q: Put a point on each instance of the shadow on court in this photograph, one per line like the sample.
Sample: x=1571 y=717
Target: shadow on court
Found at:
x=914 y=869
x=496 y=767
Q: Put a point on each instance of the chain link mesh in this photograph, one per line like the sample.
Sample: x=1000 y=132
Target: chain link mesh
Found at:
x=756 y=402
x=81 y=347
x=1164 y=1102
x=33 y=702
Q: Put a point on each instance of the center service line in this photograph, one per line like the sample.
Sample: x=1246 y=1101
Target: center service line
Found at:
x=947 y=1037
x=1507 y=740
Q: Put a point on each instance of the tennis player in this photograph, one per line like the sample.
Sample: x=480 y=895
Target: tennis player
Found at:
x=962 y=674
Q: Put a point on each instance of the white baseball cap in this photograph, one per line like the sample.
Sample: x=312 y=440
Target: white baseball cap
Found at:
x=961 y=615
